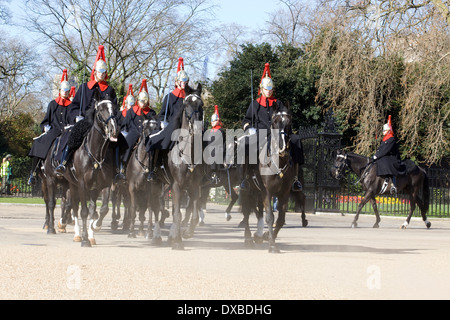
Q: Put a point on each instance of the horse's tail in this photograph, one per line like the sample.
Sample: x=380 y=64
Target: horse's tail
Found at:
x=425 y=191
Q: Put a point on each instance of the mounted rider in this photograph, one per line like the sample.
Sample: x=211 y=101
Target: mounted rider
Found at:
x=259 y=117
x=216 y=145
x=134 y=123
x=52 y=126
x=171 y=109
x=387 y=157
x=82 y=103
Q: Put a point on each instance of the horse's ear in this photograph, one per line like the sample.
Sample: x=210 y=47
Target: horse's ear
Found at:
x=275 y=106
x=97 y=95
x=188 y=89
x=199 y=89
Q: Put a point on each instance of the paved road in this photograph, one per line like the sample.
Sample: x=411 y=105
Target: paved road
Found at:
x=326 y=260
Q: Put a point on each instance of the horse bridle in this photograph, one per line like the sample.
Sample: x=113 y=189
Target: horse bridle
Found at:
x=342 y=166
x=105 y=135
x=189 y=118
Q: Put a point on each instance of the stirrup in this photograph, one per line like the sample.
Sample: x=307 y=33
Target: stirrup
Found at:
x=297 y=186
x=60 y=170
x=152 y=176
x=31 y=180
x=393 y=189
x=245 y=185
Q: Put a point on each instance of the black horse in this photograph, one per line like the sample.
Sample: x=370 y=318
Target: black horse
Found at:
x=274 y=178
x=185 y=163
x=91 y=170
x=414 y=183
x=143 y=194
x=49 y=185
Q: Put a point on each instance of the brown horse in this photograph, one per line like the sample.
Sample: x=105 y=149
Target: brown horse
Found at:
x=414 y=183
x=142 y=193
x=185 y=164
x=91 y=170
x=274 y=179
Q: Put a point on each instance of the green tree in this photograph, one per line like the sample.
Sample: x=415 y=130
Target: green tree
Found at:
x=16 y=134
x=293 y=78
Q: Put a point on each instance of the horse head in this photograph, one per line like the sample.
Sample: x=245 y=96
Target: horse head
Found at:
x=281 y=128
x=105 y=119
x=193 y=109
x=340 y=164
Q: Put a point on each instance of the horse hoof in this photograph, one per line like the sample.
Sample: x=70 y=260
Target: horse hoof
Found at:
x=274 y=249
x=187 y=235
x=354 y=225
x=86 y=244
x=132 y=235
x=228 y=217
x=304 y=223
x=177 y=246
x=51 y=231
x=428 y=224
x=202 y=223
x=258 y=239
x=376 y=226
x=95 y=227
x=157 y=241
x=62 y=227
x=114 y=225
x=248 y=243
x=92 y=242
x=76 y=239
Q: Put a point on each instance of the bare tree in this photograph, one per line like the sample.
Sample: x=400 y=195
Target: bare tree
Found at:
x=136 y=34
x=19 y=75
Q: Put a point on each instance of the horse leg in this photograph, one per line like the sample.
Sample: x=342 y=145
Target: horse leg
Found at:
x=84 y=216
x=366 y=198
x=45 y=196
x=377 y=215
x=132 y=214
x=175 y=230
x=270 y=218
x=66 y=208
x=189 y=233
x=281 y=220
x=423 y=212
x=93 y=217
x=142 y=211
x=302 y=199
x=115 y=200
x=234 y=198
x=51 y=195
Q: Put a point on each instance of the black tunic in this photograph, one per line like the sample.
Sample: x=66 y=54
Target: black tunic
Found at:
x=133 y=126
x=57 y=118
x=84 y=99
x=162 y=139
x=388 y=159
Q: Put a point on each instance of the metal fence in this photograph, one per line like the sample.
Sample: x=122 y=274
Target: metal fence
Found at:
x=344 y=199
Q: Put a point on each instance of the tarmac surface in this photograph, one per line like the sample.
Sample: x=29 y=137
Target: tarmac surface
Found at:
x=327 y=260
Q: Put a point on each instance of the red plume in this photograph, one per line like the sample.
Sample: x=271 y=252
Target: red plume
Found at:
x=100 y=56
x=265 y=73
x=143 y=85
x=64 y=76
x=180 y=64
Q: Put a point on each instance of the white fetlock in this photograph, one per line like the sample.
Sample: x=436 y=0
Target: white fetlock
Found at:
x=91 y=232
x=77 y=230
x=405 y=224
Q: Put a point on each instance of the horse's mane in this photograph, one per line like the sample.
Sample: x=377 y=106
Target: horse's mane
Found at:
x=90 y=113
x=355 y=155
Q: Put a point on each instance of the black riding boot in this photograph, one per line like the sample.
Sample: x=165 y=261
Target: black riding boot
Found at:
x=151 y=165
x=394 y=185
x=34 y=166
x=297 y=185
x=121 y=166
x=65 y=156
x=245 y=184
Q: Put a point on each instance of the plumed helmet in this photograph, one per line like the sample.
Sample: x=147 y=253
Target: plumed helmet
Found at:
x=72 y=93
x=388 y=126
x=100 y=66
x=266 y=79
x=215 y=115
x=181 y=74
x=143 y=91
x=65 y=85
x=129 y=99
x=100 y=62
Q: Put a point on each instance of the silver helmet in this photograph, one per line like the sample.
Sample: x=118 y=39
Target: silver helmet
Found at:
x=130 y=101
x=143 y=96
x=267 y=83
x=182 y=76
x=100 y=66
